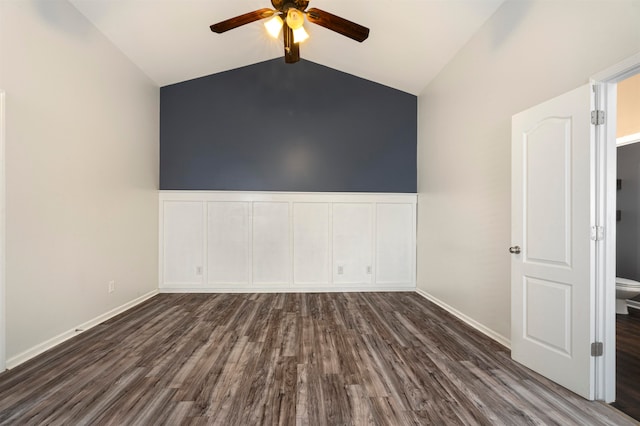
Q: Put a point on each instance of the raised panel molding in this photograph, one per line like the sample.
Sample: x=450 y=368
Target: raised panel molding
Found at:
x=311 y=244
x=229 y=243
x=219 y=241
x=271 y=254
x=544 y=302
x=182 y=244
x=353 y=243
x=547 y=231
x=395 y=243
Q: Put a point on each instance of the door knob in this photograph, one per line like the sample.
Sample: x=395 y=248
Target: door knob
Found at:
x=514 y=249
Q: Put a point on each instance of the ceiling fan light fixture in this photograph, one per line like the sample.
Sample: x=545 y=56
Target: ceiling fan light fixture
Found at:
x=288 y=16
x=300 y=35
x=274 y=26
x=295 y=18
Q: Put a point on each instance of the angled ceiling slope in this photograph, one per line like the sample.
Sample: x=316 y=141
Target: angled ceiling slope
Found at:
x=409 y=43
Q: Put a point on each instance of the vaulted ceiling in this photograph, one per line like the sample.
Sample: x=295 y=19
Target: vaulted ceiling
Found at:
x=409 y=43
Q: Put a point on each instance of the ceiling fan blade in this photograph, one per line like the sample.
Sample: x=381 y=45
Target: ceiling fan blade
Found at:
x=291 y=49
x=238 y=21
x=338 y=24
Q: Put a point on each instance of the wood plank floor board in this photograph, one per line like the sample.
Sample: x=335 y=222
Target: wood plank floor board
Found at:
x=463 y=392
x=287 y=359
x=27 y=405
x=177 y=413
x=628 y=363
x=534 y=394
x=385 y=368
x=372 y=383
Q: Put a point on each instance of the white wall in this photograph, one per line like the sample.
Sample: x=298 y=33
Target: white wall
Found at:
x=82 y=171
x=526 y=53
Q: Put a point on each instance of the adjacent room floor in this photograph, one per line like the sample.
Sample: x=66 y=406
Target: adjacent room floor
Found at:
x=245 y=359
x=628 y=363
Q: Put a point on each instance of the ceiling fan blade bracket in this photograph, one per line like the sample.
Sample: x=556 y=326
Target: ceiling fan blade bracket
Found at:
x=301 y=4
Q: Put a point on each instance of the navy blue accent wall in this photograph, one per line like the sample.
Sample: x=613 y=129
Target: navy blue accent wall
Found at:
x=287 y=127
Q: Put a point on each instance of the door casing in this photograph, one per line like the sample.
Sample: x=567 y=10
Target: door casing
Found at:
x=3 y=305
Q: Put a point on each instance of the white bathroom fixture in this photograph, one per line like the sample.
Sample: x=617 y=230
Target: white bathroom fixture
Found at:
x=625 y=289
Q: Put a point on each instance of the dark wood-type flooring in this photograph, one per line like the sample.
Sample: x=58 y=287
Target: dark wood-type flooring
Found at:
x=628 y=363
x=308 y=359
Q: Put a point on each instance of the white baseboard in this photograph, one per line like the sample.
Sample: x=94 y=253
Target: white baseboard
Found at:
x=470 y=321
x=633 y=304
x=288 y=289
x=44 y=346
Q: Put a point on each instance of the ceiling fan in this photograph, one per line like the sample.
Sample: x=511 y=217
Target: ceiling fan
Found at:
x=293 y=12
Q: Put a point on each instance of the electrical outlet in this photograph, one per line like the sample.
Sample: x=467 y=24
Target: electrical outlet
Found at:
x=369 y=270
x=198 y=270
x=111 y=286
x=340 y=269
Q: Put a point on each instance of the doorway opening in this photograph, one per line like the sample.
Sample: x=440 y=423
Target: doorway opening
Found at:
x=628 y=247
x=2 y=236
x=606 y=192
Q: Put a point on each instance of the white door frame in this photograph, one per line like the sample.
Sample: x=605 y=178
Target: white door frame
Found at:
x=3 y=304
x=604 y=189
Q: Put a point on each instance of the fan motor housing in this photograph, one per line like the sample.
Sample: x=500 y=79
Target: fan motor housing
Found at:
x=284 y=5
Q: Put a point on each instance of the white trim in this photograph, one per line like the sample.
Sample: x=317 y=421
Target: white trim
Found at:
x=605 y=320
x=620 y=71
x=627 y=140
x=504 y=341
x=210 y=284
x=290 y=269
x=307 y=197
x=599 y=187
x=160 y=242
x=3 y=233
x=317 y=289
x=44 y=346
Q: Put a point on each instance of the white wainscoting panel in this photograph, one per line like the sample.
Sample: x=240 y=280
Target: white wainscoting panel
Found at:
x=183 y=244
x=229 y=244
x=352 y=243
x=221 y=241
x=311 y=244
x=271 y=257
x=395 y=243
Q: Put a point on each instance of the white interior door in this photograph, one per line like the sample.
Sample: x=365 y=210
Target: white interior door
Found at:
x=552 y=275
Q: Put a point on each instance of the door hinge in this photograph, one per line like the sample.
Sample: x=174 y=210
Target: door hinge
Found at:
x=597 y=233
x=597 y=117
x=597 y=349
